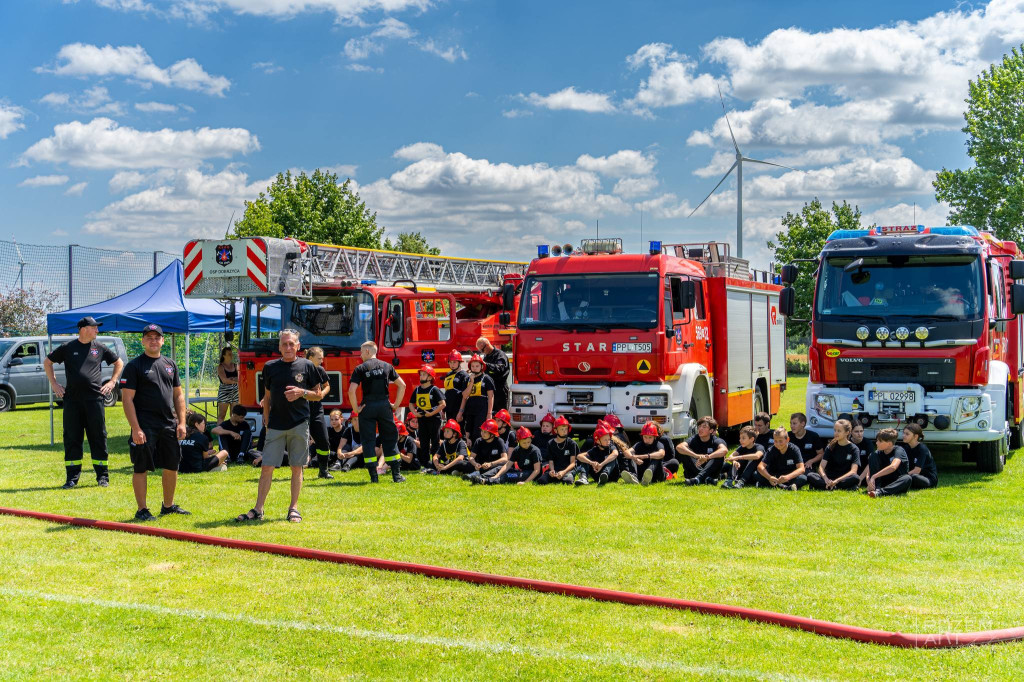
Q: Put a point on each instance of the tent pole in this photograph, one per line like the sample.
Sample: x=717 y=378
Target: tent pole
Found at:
x=49 y=388
x=188 y=357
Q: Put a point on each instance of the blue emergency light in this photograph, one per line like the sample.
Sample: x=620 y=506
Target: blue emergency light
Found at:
x=542 y=251
x=368 y=282
x=655 y=247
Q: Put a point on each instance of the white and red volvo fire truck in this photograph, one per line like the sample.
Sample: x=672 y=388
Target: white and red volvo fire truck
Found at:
x=417 y=307
x=919 y=324
x=671 y=335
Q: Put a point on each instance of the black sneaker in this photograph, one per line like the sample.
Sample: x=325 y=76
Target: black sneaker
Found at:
x=144 y=515
x=691 y=481
x=69 y=485
x=337 y=466
x=398 y=479
x=602 y=479
x=324 y=473
x=103 y=481
x=173 y=509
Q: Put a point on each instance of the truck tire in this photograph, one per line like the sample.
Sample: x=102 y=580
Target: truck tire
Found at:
x=990 y=456
x=6 y=401
x=759 y=402
x=110 y=400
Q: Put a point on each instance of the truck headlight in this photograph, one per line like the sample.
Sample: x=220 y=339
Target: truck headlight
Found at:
x=652 y=400
x=522 y=400
x=969 y=408
x=825 y=405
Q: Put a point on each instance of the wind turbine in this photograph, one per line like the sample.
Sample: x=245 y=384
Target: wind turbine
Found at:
x=21 y=264
x=738 y=165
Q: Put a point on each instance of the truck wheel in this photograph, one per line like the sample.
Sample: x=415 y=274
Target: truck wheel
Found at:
x=6 y=401
x=111 y=399
x=759 y=401
x=990 y=456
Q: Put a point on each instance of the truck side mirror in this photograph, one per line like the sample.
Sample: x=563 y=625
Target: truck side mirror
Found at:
x=684 y=294
x=1017 y=270
x=18 y=361
x=787 y=299
x=505 y=319
x=789 y=274
x=1017 y=298
x=508 y=297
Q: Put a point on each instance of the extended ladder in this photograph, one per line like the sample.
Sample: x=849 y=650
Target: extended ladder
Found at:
x=443 y=273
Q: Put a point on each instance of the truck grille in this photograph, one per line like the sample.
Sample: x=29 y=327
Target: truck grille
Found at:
x=927 y=373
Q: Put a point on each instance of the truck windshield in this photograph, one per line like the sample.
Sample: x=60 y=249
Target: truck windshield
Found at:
x=343 y=321
x=594 y=300
x=947 y=287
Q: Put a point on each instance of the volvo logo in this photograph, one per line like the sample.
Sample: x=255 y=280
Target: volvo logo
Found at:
x=584 y=366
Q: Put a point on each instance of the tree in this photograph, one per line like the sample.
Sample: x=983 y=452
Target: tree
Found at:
x=312 y=208
x=411 y=242
x=803 y=236
x=991 y=194
x=23 y=311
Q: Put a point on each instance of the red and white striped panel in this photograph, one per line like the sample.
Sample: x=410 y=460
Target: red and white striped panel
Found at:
x=256 y=262
x=193 y=265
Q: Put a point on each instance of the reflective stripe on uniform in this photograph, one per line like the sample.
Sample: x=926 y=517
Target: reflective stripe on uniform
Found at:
x=392 y=458
x=72 y=462
x=101 y=462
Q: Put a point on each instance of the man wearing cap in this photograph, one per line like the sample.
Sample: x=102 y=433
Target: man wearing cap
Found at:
x=376 y=412
x=497 y=368
x=154 y=405
x=83 y=399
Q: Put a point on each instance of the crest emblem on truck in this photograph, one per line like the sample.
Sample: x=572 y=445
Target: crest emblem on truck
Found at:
x=583 y=366
x=224 y=256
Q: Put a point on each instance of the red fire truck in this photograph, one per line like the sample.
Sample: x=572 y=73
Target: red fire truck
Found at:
x=918 y=324
x=671 y=335
x=334 y=298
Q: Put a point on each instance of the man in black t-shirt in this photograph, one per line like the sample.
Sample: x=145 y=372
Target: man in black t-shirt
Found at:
x=290 y=383
x=321 y=445
x=83 y=399
x=154 y=405
x=497 y=368
x=377 y=413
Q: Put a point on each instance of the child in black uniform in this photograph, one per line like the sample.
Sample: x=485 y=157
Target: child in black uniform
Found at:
x=649 y=455
x=426 y=405
x=763 y=427
x=923 y=472
x=505 y=430
x=450 y=456
x=541 y=439
x=488 y=453
x=197 y=455
x=561 y=455
x=742 y=463
x=456 y=387
x=808 y=442
x=407 y=451
x=523 y=465
x=235 y=435
x=600 y=461
x=889 y=467
x=481 y=398
x=838 y=468
x=782 y=465
x=704 y=454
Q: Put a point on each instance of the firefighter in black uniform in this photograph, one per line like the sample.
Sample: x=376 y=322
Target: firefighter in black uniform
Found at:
x=83 y=399
x=427 y=404
x=497 y=368
x=377 y=413
x=321 y=445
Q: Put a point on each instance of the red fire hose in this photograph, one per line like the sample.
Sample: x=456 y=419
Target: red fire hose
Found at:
x=946 y=640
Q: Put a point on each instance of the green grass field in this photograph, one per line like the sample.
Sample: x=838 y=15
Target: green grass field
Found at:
x=88 y=604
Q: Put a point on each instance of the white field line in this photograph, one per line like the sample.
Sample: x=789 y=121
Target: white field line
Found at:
x=612 y=660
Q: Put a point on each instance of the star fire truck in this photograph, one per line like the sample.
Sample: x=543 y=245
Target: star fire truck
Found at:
x=918 y=324
x=417 y=307
x=671 y=335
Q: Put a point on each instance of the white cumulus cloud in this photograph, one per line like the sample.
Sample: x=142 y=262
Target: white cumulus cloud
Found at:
x=573 y=100
x=672 y=81
x=134 y=63
x=44 y=181
x=620 y=164
x=76 y=189
x=102 y=143
x=155 y=107
x=10 y=119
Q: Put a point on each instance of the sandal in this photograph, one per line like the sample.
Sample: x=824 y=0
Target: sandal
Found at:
x=251 y=515
x=294 y=516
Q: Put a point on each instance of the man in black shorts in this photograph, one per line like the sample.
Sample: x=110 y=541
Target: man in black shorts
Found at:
x=83 y=399
x=290 y=382
x=377 y=413
x=154 y=405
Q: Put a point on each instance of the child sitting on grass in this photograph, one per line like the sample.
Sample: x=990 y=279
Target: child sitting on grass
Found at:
x=197 y=455
x=782 y=466
x=523 y=465
x=838 y=468
x=450 y=456
x=742 y=463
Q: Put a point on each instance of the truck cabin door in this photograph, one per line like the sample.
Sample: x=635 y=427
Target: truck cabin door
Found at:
x=421 y=325
x=687 y=338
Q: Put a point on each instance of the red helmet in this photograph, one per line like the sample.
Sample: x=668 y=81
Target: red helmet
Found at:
x=549 y=418
x=409 y=417
x=503 y=416
x=650 y=429
x=490 y=426
x=455 y=355
x=454 y=426
x=429 y=369
x=476 y=358
x=613 y=421
x=602 y=424
x=402 y=431
x=523 y=432
x=562 y=421
x=600 y=433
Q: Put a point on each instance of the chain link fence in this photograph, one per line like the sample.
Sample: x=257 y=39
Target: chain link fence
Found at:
x=76 y=275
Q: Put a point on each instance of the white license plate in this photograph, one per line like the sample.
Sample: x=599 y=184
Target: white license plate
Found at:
x=631 y=348
x=892 y=396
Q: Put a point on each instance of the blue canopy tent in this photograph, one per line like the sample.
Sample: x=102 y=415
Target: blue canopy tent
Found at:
x=159 y=301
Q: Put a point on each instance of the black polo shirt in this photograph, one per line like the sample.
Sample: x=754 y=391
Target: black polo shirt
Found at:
x=782 y=463
x=154 y=381
x=485 y=452
x=921 y=456
x=83 y=372
x=375 y=376
x=525 y=458
x=808 y=445
x=839 y=458
x=704 y=447
x=278 y=375
x=561 y=454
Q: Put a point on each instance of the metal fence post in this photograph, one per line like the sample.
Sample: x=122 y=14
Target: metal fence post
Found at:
x=154 y=262
x=71 y=276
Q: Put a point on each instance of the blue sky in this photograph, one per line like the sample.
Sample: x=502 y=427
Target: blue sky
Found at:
x=488 y=126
